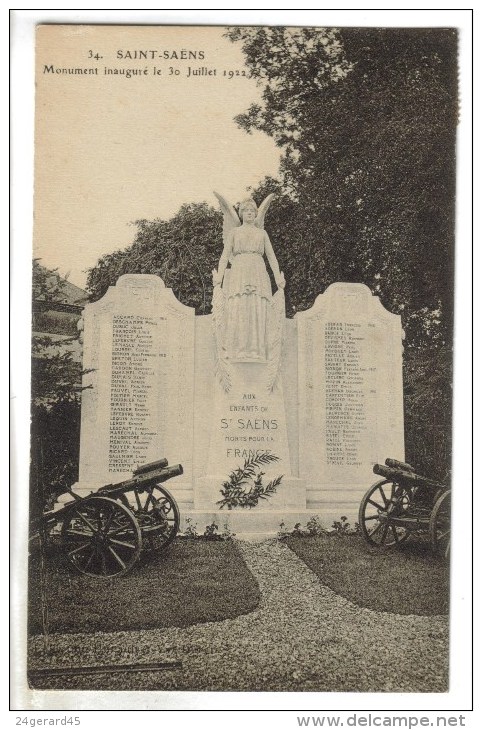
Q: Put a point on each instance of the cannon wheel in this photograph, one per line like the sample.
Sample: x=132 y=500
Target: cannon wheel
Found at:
x=439 y=525
x=101 y=537
x=383 y=499
x=157 y=514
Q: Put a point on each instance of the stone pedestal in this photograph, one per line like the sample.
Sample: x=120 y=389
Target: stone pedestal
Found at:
x=247 y=421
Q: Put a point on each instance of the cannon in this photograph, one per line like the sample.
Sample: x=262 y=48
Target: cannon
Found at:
x=102 y=534
x=404 y=503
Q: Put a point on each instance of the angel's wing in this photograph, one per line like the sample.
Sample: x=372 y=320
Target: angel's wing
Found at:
x=230 y=217
x=262 y=210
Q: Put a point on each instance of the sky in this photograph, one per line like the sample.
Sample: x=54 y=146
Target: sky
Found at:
x=111 y=150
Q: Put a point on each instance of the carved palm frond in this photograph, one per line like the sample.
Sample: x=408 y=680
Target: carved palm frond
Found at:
x=233 y=492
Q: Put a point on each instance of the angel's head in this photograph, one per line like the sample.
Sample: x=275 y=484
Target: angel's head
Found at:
x=249 y=209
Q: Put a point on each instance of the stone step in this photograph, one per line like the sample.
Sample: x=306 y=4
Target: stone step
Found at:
x=254 y=526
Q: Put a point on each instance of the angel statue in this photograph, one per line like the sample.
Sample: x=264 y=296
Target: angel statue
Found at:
x=246 y=315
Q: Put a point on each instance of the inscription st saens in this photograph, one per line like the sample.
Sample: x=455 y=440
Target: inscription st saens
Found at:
x=249 y=422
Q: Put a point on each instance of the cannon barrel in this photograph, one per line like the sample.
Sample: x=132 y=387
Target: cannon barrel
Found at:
x=142 y=479
x=170 y=471
x=395 y=464
x=405 y=477
x=161 y=464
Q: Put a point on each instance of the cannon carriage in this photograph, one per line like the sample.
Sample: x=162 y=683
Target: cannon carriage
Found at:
x=102 y=534
x=402 y=504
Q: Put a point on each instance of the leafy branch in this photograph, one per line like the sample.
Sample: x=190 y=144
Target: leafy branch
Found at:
x=237 y=493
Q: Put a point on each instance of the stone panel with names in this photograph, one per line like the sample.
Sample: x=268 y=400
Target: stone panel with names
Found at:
x=138 y=344
x=350 y=388
x=136 y=363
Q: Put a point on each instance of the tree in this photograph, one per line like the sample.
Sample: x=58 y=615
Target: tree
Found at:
x=56 y=375
x=366 y=119
x=55 y=404
x=182 y=251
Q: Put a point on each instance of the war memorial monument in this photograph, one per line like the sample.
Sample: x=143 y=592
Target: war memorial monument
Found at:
x=316 y=399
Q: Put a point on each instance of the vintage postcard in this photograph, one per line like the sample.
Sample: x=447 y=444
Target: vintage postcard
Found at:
x=242 y=348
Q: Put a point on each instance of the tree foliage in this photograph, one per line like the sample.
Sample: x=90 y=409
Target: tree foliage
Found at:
x=46 y=284
x=55 y=374
x=366 y=119
x=182 y=251
x=55 y=404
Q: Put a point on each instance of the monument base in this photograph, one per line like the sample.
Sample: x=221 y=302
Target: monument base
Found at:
x=295 y=503
x=256 y=525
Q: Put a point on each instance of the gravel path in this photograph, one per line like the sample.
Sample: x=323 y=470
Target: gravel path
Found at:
x=302 y=637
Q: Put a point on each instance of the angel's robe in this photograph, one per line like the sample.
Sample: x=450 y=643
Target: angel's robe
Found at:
x=248 y=293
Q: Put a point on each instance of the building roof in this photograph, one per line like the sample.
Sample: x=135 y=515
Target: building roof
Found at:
x=67 y=293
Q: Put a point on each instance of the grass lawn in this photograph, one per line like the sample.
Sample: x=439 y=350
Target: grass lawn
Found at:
x=194 y=581
x=408 y=580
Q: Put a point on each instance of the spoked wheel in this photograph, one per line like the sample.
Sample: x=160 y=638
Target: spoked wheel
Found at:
x=439 y=525
x=157 y=513
x=383 y=500
x=101 y=537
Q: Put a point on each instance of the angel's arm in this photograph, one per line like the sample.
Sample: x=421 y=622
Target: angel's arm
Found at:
x=273 y=262
x=223 y=261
